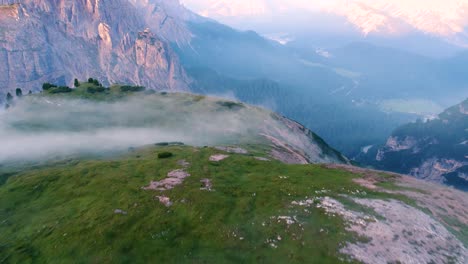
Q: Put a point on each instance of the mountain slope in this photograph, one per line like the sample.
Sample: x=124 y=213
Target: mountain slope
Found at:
x=43 y=41
x=434 y=150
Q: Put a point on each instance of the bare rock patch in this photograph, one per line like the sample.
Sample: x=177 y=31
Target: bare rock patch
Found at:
x=164 y=200
x=207 y=185
x=218 y=157
x=174 y=178
x=236 y=150
x=405 y=235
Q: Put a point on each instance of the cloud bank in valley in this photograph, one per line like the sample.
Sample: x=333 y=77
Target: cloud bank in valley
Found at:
x=43 y=128
x=437 y=17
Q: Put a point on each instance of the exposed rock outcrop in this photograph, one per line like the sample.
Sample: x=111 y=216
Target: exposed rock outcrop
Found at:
x=293 y=143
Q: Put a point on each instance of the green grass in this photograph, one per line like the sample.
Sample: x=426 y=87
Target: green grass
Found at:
x=65 y=213
x=456 y=227
x=111 y=93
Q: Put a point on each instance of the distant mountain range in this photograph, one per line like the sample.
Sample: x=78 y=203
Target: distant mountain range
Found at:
x=435 y=150
x=439 y=27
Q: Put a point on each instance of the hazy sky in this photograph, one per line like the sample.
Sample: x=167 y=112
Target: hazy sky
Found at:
x=437 y=17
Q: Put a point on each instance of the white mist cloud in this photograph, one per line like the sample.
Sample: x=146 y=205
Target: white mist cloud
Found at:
x=40 y=128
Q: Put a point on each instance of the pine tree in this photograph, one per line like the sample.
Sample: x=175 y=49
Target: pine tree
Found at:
x=77 y=83
x=19 y=92
x=9 y=97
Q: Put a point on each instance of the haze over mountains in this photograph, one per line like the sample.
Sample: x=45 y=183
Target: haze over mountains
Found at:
x=427 y=27
x=352 y=95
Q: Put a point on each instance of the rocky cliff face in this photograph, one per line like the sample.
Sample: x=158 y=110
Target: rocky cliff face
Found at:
x=114 y=41
x=435 y=150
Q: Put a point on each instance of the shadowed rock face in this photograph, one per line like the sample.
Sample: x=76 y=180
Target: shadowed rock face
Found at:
x=114 y=41
x=435 y=150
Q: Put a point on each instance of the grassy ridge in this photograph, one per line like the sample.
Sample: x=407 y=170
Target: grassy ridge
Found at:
x=65 y=213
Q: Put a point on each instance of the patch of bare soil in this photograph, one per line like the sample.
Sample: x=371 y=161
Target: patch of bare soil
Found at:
x=183 y=163
x=164 y=200
x=218 y=157
x=207 y=185
x=174 y=178
x=368 y=174
x=120 y=211
x=406 y=235
x=261 y=159
x=368 y=183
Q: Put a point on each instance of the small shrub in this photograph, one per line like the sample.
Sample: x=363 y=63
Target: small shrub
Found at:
x=96 y=89
x=47 y=86
x=165 y=155
x=230 y=105
x=77 y=83
x=61 y=89
x=9 y=97
x=19 y=92
x=128 y=88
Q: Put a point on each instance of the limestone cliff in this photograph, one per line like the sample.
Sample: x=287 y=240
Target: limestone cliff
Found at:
x=434 y=150
x=114 y=41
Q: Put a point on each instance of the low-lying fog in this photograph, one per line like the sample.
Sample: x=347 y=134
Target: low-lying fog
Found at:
x=42 y=128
